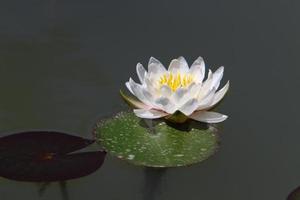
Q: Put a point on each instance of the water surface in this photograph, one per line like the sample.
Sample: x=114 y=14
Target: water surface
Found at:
x=62 y=64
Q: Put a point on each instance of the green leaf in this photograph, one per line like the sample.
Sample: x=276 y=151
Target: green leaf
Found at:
x=158 y=145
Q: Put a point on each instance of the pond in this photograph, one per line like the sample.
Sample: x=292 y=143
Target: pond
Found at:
x=62 y=64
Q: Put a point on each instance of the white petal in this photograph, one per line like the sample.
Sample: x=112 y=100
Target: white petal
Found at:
x=178 y=96
x=147 y=94
x=141 y=72
x=194 y=89
x=166 y=105
x=217 y=76
x=150 y=87
x=184 y=67
x=155 y=67
x=183 y=95
x=151 y=98
x=153 y=60
x=206 y=86
x=139 y=92
x=198 y=70
x=165 y=91
x=207 y=101
x=174 y=66
x=208 y=117
x=209 y=76
x=189 y=107
x=149 y=114
x=129 y=87
x=220 y=94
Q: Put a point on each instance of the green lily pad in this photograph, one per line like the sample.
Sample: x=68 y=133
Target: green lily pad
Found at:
x=158 y=145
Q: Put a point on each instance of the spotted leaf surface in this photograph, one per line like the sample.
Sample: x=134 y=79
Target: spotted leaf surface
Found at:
x=155 y=143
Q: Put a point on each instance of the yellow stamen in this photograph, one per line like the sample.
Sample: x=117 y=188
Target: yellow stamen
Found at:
x=175 y=81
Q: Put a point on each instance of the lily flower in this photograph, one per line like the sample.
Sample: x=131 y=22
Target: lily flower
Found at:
x=178 y=93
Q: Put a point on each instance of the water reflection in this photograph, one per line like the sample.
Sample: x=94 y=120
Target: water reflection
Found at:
x=42 y=156
x=62 y=185
x=153 y=182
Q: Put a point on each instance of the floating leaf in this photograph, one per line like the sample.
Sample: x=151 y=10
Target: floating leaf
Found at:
x=161 y=145
x=295 y=194
x=43 y=156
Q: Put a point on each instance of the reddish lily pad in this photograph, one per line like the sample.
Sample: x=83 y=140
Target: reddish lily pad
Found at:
x=43 y=156
x=295 y=194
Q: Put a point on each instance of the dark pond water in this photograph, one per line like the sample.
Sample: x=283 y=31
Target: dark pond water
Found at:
x=62 y=64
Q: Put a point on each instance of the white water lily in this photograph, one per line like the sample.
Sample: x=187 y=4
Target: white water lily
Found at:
x=180 y=89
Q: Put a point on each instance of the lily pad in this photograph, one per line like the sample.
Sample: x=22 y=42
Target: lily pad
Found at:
x=43 y=156
x=295 y=194
x=156 y=143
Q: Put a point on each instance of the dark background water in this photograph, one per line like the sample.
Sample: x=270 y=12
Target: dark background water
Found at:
x=62 y=64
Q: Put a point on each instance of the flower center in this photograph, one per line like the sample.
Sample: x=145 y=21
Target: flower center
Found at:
x=175 y=81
